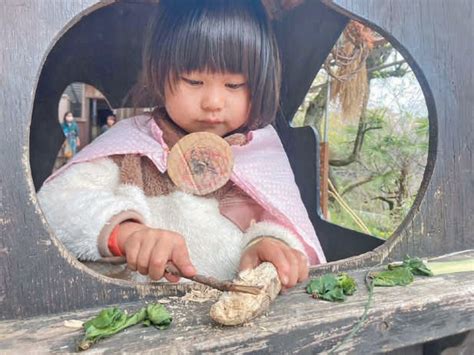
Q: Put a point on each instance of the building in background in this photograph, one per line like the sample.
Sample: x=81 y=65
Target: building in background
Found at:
x=89 y=107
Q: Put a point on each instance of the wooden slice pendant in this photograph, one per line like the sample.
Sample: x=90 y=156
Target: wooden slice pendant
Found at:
x=200 y=163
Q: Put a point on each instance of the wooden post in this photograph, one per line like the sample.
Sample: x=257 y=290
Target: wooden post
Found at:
x=324 y=176
x=324 y=156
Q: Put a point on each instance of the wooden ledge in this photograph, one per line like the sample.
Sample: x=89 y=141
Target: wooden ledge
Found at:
x=430 y=308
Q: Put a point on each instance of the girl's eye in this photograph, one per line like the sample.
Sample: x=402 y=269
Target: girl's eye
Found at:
x=235 y=86
x=191 y=81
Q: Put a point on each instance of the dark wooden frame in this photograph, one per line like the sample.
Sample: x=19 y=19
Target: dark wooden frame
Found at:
x=38 y=276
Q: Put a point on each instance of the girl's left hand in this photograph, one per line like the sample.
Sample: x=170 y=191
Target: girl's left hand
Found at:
x=291 y=264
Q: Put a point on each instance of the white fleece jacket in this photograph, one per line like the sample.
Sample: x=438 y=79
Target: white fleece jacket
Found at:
x=86 y=199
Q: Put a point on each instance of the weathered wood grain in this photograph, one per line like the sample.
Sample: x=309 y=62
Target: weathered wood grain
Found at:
x=401 y=316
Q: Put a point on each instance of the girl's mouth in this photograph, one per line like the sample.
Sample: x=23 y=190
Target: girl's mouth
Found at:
x=211 y=120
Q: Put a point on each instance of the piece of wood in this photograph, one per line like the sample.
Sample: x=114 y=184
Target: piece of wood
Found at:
x=324 y=176
x=234 y=308
x=200 y=163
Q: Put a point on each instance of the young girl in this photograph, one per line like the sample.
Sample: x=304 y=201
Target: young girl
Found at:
x=71 y=132
x=211 y=66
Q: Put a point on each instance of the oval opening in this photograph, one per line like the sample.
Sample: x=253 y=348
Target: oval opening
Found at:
x=85 y=28
x=372 y=119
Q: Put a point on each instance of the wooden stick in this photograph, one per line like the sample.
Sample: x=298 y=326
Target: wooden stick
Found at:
x=205 y=280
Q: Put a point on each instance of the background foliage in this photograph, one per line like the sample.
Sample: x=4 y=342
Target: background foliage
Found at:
x=377 y=130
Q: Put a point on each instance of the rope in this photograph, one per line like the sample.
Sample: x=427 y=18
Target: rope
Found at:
x=346 y=207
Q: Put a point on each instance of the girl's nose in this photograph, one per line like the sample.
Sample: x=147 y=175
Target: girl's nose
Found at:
x=212 y=100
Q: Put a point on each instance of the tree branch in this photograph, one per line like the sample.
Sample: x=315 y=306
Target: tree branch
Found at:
x=357 y=184
x=391 y=204
x=370 y=128
x=385 y=66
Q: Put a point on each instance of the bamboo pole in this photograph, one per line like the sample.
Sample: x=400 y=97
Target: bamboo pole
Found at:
x=324 y=157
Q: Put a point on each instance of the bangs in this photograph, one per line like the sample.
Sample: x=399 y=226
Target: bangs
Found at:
x=217 y=38
x=221 y=36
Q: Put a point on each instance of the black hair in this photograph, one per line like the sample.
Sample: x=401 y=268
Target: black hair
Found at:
x=219 y=36
x=67 y=113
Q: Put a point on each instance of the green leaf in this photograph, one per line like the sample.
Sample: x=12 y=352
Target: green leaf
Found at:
x=322 y=284
x=158 y=316
x=105 y=318
x=113 y=320
x=399 y=276
x=331 y=288
x=136 y=318
x=416 y=266
x=347 y=283
x=333 y=295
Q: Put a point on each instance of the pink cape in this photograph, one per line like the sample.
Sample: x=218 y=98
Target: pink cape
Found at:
x=261 y=169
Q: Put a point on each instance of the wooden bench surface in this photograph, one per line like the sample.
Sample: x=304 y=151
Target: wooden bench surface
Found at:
x=430 y=308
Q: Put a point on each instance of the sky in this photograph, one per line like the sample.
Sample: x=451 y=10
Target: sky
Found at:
x=400 y=95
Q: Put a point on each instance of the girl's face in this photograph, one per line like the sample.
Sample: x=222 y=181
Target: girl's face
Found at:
x=209 y=102
x=110 y=121
x=69 y=118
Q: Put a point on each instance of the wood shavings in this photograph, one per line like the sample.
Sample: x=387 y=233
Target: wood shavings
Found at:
x=73 y=323
x=163 y=301
x=201 y=296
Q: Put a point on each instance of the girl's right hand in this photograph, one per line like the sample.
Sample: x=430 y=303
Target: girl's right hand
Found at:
x=149 y=249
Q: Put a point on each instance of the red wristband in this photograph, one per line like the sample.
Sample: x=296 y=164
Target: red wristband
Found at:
x=112 y=242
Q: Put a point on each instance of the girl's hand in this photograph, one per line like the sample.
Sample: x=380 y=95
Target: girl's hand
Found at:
x=291 y=264
x=148 y=250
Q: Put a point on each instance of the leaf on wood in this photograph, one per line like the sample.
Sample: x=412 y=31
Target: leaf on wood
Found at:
x=158 y=316
x=331 y=287
x=400 y=276
x=113 y=320
x=416 y=266
x=347 y=283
